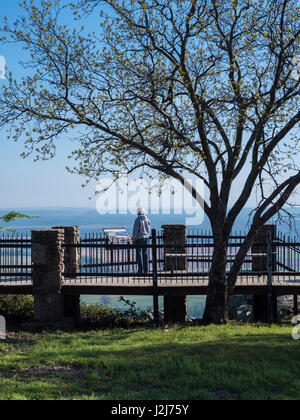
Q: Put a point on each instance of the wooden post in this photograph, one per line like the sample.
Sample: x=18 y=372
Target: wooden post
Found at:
x=175 y=307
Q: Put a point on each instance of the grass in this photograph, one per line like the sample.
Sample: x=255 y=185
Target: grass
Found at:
x=184 y=363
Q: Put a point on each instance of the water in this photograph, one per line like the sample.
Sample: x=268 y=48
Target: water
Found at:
x=90 y=221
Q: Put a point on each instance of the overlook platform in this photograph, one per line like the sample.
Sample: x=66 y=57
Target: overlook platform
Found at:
x=55 y=263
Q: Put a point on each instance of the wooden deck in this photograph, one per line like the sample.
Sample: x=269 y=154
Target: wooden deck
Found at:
x=167 y=285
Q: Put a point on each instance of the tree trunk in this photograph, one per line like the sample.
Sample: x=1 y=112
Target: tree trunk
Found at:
x=217 y=303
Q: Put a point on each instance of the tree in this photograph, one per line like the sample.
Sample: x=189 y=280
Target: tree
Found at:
x=12 y=216
x=199 y=87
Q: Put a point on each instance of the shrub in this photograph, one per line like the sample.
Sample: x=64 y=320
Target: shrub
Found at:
x=20 y=308
x=133 y=313
x=105 y=317
x=17 y=308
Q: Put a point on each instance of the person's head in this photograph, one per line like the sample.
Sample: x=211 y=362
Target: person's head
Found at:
x=141 y=211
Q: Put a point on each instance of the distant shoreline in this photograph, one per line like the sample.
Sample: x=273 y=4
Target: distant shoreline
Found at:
x=91 y=221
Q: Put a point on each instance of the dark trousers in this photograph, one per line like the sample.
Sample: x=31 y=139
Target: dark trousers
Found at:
x=142 y=255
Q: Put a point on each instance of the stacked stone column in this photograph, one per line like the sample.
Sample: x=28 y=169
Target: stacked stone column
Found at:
x=48 y=266
x=175 y=307
x=259 y=249
x=260 y=265
x=50 y=259
x=72 y=257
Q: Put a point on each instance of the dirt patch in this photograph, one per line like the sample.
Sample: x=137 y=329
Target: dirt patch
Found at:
x=67 y=371
x=13 y=335
x=18 y=342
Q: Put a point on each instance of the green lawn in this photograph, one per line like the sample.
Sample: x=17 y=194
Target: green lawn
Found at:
x=215 y=362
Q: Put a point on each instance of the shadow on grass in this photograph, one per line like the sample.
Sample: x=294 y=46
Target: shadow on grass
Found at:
x=258 y=366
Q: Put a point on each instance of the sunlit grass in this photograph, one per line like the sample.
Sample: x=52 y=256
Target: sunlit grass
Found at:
x=216 y=362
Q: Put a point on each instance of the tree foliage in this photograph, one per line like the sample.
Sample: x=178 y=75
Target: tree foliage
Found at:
x=12 y=216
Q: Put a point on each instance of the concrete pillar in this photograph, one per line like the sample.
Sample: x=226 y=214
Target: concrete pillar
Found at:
x=175 y=307
x=72 y=259
x=48 y=266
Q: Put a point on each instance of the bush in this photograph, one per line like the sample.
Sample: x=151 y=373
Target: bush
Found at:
x=100 y=315
x=18 y=308
x=105 y=317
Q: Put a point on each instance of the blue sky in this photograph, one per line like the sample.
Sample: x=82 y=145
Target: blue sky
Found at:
x=25 y=183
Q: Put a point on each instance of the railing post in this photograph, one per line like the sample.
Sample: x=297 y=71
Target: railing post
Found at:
x=154 y=273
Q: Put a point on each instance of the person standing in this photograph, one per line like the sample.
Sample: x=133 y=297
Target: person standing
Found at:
x=140 y=236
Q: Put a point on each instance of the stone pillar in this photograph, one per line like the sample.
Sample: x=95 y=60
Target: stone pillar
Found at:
x=175 y=258
x=275 y=307
x=259 y=250
x=48 y=266
x=295 y=298
x=175 y=307
x=72 y=254
x=72 y=258
x=260 y=308
x=264 y=305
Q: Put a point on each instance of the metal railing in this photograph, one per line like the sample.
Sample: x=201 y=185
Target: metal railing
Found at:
x=116 y=263
x=15 y=258
x=112 y=263
x=288 y=254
